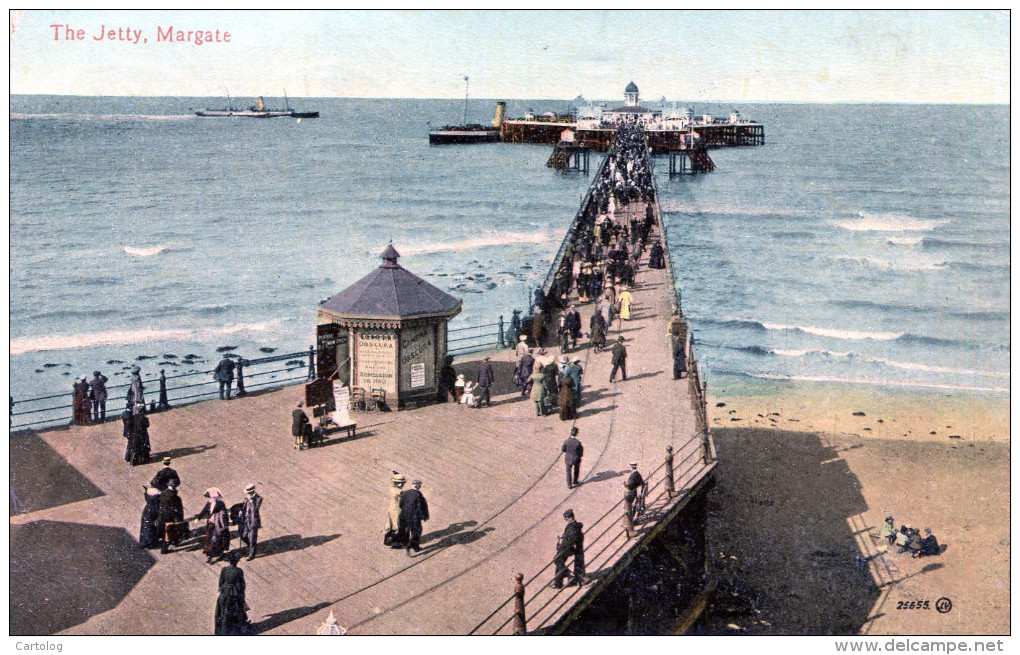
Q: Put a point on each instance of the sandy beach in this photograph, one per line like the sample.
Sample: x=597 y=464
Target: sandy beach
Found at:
x=809 y=471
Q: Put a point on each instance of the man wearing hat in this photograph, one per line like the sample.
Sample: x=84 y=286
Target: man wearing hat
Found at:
x=447 y=380
x=392 y=536
x=172 y=526
x=251 y=519
x=619 y=359
x=98 y=386
x=570 y=544
x=165 y=475
x=136 y=394
x=413 y=510
x=486 y=378
x=224 y=374
x=574 y=325
x=572 y=451
x=632 y=485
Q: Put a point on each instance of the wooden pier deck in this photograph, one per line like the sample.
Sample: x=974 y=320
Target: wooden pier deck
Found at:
x=494 y=479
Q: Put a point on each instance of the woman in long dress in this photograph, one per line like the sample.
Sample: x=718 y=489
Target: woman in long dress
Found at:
x=567 y=409
x=231 y=608
x=217 y=527
x=148 y=535
x=392 y=535
x=625 y=303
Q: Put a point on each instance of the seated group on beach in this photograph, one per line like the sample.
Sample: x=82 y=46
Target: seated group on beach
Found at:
x=909 y=539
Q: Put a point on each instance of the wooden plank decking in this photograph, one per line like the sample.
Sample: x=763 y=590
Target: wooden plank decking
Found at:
x=493 y=477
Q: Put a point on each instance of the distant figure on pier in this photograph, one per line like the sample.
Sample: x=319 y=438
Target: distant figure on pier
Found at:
x=619 y=359
x=165 y=476
x=573 y=452
x=679 y=357
x=522 y=374
x=447 y=381
x=136 y=394
x=82 y=405
x=538 y=389
x=625 y=302
x=469 y=398
x=486 y=378
x=458 y=388
x=632 y=486
x=128 y=419
x=888 y=531
x=570 y=544
x=224 y=374
x=231 y=612
x=301 y=427
x=414 y=509
x=538 y=327
x=656 y=257
x=597 y=330
x=140 y=446
x=98 y=387
x=522 y=346
x=392 y=536
x=574 y=325
x=217 y=526
x=568 y=408
x=575 y=371
x=929 y=545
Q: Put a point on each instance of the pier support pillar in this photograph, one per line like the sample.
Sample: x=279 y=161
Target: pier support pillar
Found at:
x=311 y=362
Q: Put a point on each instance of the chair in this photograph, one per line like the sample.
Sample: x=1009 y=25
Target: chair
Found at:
x=378 y=400
x=357 y=399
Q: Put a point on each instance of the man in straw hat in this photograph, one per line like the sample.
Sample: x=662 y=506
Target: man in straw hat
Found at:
x=392 y=535
x=250 y=519
x=165 y=475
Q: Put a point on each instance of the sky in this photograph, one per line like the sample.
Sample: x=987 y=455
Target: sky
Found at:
x=708 y=56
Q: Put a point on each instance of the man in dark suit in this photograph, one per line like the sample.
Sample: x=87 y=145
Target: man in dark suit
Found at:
x=573 y=451
x=165 y=475
x=301 y=426
x=414 y=509
x=570 y=544
x=486 y=378
x=619 y=359
x=224 y=374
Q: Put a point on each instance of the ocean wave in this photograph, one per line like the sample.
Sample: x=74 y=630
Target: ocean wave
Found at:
x=891 y=363
x=127 y=337
x=144 y=252
x=887 y=223
x=904 y=241
x=497 y=239
x=979 y=266
x=880 y=383
x=933 y=242
x=679 y=207
x=902 y=265
x=833 y=333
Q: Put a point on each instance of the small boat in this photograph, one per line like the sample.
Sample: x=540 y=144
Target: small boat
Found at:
x=473 y=133
x=258 y=110
x=468 y=132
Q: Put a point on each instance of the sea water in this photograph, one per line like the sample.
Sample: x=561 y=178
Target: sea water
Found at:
x=863 y=243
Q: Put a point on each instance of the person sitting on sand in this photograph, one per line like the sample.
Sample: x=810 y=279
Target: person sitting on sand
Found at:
x=888 y=531
x=929 y=545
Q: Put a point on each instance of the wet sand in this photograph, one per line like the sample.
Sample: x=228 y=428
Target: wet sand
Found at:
x=809 y=472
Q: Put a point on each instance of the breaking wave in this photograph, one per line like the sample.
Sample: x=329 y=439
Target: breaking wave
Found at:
x=144 y=252
x=128 y=337
x=887 y=223
x=489 y=240
x=878 y=383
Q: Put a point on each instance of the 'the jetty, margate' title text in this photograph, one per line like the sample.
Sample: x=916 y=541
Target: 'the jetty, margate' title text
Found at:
x=136 y=36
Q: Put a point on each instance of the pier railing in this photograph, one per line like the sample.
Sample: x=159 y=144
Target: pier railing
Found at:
x=602 y=541
x=557 y=263
x=169 y=391
x=259 y=373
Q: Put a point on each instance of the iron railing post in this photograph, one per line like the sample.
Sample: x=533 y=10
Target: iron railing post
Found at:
x=240 y=377
x=502 y=343
x=311 y=362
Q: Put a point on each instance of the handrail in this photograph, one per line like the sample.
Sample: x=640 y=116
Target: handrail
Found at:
x=32 y=415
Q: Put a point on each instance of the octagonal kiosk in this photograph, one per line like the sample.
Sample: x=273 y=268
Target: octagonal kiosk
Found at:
x=387 y=333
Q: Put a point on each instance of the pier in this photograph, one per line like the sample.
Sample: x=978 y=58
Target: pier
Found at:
x=493 y=477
